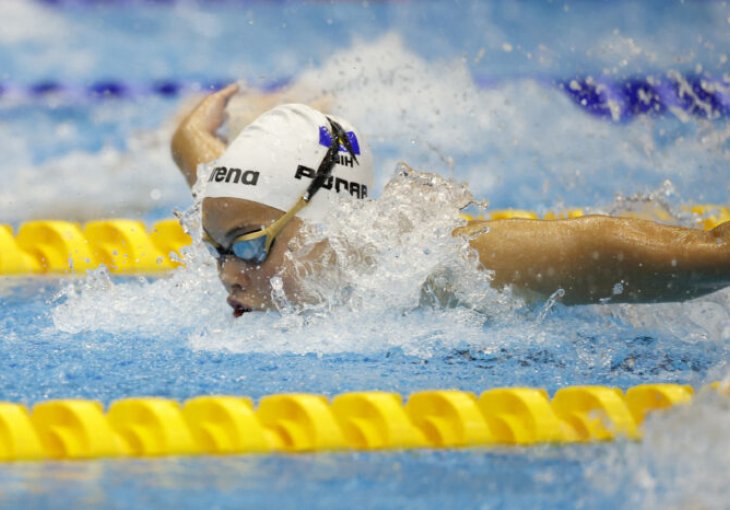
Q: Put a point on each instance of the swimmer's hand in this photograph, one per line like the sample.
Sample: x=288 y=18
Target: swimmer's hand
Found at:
x=195 y=140
x=209 y=114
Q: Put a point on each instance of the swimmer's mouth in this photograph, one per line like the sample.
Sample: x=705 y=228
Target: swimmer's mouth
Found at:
x=238 y=308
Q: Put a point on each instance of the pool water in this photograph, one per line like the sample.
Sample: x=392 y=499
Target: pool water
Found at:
x=532 y=105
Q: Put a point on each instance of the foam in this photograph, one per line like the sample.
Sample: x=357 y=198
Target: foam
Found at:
x=682 y=461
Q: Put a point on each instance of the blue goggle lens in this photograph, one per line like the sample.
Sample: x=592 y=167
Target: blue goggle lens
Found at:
x=253 y=250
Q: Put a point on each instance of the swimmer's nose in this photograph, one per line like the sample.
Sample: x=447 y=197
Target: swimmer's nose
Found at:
x=233 y=275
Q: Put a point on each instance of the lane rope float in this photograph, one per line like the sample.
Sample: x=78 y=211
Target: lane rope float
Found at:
x=298 y=422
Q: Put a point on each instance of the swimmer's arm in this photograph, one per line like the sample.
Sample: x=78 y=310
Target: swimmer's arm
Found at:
x=601 y=258
x=195 y=140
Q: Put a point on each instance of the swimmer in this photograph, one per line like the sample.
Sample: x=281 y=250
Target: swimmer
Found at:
x=275 y=173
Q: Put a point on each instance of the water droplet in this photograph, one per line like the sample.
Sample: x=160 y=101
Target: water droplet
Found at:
x=618 y=289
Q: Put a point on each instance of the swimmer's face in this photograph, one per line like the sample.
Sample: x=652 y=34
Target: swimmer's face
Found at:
x=248 y=284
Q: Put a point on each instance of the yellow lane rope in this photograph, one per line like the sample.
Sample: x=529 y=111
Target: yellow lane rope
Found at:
x=368 y=420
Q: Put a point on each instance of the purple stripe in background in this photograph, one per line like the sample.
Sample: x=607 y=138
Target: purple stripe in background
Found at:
x=111 y=2
x=615 y=100
x=105 y=90
x=623 y=100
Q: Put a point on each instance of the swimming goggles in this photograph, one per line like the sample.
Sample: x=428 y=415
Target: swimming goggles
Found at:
x=253 y=247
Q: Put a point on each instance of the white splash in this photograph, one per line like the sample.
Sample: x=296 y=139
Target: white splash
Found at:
x=162 y=307
x=397 y=263
x=682 y=461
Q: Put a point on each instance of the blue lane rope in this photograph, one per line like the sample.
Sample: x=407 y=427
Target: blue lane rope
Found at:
x=619 y=100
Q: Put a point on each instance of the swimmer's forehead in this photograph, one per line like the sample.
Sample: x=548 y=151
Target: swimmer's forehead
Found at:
x=224 y=218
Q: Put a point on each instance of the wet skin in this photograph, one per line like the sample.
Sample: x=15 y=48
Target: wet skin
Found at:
x=249 y=284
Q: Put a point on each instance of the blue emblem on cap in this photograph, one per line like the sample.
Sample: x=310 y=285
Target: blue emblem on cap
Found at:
x=326 y=139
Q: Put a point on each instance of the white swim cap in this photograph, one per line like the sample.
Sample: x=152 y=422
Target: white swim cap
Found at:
x=274 y=159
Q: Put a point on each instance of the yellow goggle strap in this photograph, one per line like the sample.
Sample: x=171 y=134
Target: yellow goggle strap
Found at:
x=275 y=228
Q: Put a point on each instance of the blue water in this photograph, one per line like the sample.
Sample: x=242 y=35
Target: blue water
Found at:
x=471 y=479
x=40 y=363
x=478 y=92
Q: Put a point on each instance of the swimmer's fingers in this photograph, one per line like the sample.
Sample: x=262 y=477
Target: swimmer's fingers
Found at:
x=222 y=96
x=210 y=112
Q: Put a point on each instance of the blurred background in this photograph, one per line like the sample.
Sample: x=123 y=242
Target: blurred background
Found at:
x=534 y=104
